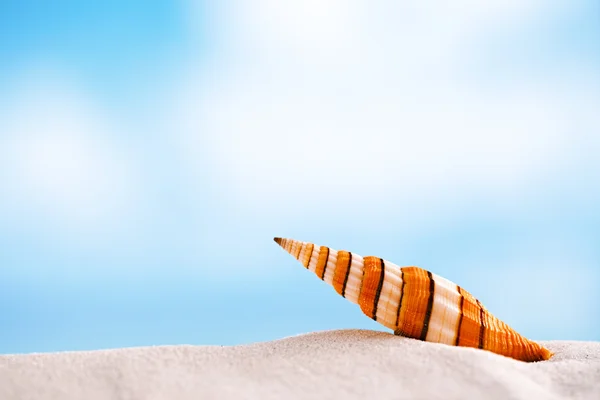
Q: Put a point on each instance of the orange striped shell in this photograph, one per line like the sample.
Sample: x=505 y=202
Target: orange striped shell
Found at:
x=414 y=302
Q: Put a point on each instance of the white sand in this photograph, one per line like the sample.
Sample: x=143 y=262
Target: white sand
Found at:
x=348 y=364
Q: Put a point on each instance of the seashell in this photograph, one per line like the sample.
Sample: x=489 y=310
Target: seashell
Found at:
x=413 y=302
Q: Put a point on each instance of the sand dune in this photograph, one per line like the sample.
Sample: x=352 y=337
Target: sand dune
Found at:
x=348 y=364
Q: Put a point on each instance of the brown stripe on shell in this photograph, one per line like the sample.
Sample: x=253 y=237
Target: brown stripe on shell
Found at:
x=379 y=286
x=414 y=302
x=340 y=274
x=429 y=306
x=354 y=279
x=297 y=250
x=322 y=262
x=308 y=254
x=471 y=319
x=347 y=275
x=460 y=318
x=445 y=312
x=398 y=331
x=482 y=324
x=371 y=286
x=389 y=295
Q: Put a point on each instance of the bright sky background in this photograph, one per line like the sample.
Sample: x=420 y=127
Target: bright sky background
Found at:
x=150 y=151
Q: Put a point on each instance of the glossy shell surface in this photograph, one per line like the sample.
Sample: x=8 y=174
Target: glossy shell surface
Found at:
x=413 y=302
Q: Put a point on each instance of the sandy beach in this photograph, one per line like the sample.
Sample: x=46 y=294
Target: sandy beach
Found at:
x=345 y=364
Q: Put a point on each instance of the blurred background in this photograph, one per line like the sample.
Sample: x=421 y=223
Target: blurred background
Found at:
x=150 y=151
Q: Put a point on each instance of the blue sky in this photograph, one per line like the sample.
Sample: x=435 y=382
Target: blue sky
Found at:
x=150 y=151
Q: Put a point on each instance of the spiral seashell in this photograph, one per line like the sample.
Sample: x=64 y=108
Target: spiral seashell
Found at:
x=413 y=302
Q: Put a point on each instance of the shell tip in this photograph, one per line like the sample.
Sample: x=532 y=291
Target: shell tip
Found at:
x=277 y=240
x=546 y=354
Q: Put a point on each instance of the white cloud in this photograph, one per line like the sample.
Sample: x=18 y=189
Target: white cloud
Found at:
x=323 y=101
x=269 y=29
x=60 y=161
